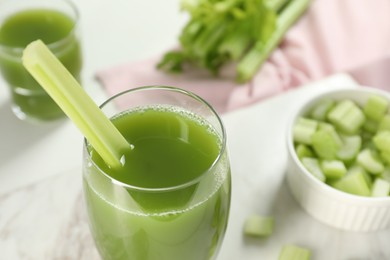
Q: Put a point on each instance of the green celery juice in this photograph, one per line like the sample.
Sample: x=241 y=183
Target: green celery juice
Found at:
x=18 y=30
x=172 y=148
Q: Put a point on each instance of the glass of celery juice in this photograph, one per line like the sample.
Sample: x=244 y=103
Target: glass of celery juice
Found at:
x=171 y=198
x=55 y=22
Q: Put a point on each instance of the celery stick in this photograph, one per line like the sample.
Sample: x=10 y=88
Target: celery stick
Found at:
x=354 y=184
x=384 y=124
x=325 y=145
x=74 y=101
x=347 y=117
x=292 y=252
x=303 y=130
x=333 y=169
x=382 y=141
x=370 y=161
x=313 y=166
x=320 y=110
x=235 y=44
x=208 y=39
x=303 y=151
x=258 y=226
x=375 y=107
x=253 y=60
x=380 y=188
x=276 y=5
x=350 y=148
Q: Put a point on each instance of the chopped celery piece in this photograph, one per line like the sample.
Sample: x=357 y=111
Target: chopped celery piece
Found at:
x=258 y=226
x=333 y=169
x=313 y=166
x=385 y=157
x=325 y=145
x=371 y=126
x=303 y=129
x=370 y=161
x=320 y=110
x=303 y=150
x=347 y=116
x=292 y=252
x=375 y=107
x=331 y=130
x=384 y=124
x=382 y=141
x=350 y=148
x=380 y=188
x=356 y=168
x=385 y=174
x=353 y=183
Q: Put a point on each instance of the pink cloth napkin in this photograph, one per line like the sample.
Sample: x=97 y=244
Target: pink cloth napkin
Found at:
x=333 y=36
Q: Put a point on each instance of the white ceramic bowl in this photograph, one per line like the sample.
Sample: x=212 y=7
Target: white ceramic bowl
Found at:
x=328 y=205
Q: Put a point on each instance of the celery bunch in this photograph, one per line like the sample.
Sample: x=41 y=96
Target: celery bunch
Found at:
x=241 y=31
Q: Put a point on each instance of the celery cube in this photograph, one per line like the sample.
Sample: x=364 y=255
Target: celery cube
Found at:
x=333 y=169
x=376 y=107
x=382 y=141
x=385 y=157
x=356 y=168
x=370 y=161
x=384 y=124
x=292 y=252
x=347 y=116
x=380 y=188
x=303 y=150
x=386 y=174
x=325 y=145
x=313 y=166
x=331 y=130
x=321 y=109
x=350 y=148
x=353 y=183
x=258 y=226
x=303 y=129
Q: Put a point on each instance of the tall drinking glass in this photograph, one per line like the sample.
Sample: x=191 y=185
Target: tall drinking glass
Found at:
x=55 y=22
x=171 y=198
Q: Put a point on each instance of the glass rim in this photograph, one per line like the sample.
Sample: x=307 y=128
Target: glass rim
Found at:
x=175 y=187
x=52 y=45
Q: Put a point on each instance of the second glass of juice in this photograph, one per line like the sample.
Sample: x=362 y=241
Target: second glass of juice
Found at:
x=171 y=198
x=55 y=22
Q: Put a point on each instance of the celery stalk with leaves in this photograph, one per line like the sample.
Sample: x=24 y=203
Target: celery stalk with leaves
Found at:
x=244 y=32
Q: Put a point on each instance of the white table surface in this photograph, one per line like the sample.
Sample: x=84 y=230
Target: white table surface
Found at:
x=41 y=211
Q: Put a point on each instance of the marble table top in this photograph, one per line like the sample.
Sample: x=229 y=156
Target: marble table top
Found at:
x=46 y=219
